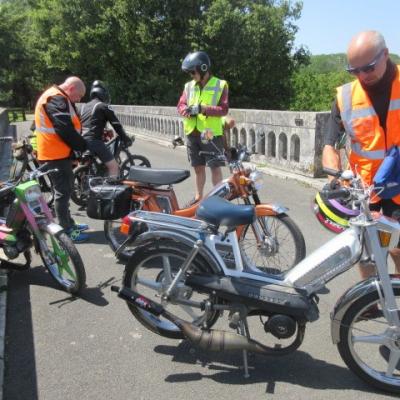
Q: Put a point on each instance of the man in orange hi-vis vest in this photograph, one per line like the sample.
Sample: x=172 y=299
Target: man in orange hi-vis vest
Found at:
x=367 y=111
x=58 y=131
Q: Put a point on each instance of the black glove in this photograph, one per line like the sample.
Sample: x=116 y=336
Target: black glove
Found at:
x=194 y=110
x=127 y=141
x=332 y=185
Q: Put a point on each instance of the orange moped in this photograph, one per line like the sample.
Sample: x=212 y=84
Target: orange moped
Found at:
x=273 y=241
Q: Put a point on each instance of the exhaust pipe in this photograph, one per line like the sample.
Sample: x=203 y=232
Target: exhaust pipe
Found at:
x=211 y=340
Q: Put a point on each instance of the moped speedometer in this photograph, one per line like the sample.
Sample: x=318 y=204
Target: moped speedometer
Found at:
x=257 y=178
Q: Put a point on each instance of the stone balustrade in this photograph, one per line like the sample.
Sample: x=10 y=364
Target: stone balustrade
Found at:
x=288 y=140
x=5 y=145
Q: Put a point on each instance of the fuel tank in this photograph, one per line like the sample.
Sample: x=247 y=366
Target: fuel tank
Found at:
x=328 y=261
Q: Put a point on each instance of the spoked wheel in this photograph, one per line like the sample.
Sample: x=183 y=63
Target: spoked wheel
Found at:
x=47 y=190
x=80 y=189
x=133 y=161
x=369 y=345
x=46 y=186
x=122 y=156
x=115 y=238
x=150 y=271
x=62 y=260
x=280 y=245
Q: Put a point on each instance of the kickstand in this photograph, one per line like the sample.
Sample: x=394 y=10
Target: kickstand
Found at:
x=243 y=329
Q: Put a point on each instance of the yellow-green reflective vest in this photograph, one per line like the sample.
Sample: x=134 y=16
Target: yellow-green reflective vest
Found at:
x=208 y=96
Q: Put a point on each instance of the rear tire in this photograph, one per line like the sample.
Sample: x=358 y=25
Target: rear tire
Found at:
x=63 y=262
x=115 y=238
x=80 y=188
x=147 y=274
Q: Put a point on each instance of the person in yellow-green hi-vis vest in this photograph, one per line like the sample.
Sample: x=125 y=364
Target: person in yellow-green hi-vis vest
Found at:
x=202 y=105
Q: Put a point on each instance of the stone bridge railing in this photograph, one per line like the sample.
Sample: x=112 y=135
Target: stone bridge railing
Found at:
x=288 y=140
x=6 y=140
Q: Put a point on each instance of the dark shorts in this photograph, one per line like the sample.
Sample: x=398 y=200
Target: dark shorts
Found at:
x=99 y=148
x=195 y=145
x=388 y=207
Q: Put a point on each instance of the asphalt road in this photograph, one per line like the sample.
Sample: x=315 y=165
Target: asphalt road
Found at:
x=59 y=347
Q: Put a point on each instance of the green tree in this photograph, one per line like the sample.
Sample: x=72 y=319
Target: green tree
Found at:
x=316 y=91
x=136 y=47
x=15 y=76
x=251 y=44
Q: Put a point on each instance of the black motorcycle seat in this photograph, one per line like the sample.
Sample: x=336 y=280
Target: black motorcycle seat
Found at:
x=157 y=176
x=217 y=211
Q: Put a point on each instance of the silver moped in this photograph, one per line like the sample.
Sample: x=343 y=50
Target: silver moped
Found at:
x=185 y=273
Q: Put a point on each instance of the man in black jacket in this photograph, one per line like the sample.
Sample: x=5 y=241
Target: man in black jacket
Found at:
x=94 y=117
x=58 y=133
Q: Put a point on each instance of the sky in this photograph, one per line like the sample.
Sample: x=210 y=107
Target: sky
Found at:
x=326 y=26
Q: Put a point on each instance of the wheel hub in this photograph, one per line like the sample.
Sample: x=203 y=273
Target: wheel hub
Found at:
x=269 y=247
x=180 y=291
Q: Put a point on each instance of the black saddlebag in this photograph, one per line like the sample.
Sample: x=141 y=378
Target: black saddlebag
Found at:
x=109 y=201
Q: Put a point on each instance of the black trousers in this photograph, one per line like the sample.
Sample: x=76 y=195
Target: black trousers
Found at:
x=62 y=183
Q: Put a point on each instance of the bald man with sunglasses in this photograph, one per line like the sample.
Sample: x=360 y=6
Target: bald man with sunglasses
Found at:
x=367 y=112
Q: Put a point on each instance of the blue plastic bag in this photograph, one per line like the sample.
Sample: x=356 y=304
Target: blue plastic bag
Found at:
x=388 y=175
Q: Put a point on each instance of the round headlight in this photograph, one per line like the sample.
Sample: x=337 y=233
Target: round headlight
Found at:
x=257 y=178
x=33 y=193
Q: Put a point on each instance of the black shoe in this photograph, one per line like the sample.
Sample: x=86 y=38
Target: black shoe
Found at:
x=385 y=353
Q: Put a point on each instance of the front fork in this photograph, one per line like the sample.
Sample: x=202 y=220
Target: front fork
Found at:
x=259 y=227
x=386 y=295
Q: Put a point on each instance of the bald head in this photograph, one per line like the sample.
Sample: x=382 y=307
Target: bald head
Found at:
x=366 y=48
x=74 y=87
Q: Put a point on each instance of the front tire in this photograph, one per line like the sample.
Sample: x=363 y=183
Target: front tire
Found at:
x=149 y=272
x=62 y=260
x=134 y=160
x=360 y=340
x=282 y=244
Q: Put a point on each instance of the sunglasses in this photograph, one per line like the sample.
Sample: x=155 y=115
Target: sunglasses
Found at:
x=366 y=68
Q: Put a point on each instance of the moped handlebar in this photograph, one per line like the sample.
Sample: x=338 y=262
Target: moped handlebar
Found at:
x=39 y=172
x=332 y=172
x=337 y=193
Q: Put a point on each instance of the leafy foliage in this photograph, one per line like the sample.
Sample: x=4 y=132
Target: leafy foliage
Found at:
x=136 y=47
x=314 y=86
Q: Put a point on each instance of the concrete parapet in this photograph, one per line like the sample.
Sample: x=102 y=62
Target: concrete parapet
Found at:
x=291 y=140
x=4 y=123
x=6 y=139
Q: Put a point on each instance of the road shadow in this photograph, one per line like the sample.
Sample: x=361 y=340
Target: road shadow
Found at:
x=38 y=276
x=298 y=368
x=97 y=237
x=20 y=379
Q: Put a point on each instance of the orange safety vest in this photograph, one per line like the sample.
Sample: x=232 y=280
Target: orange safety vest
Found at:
x=368 y=146
x=49 y=144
